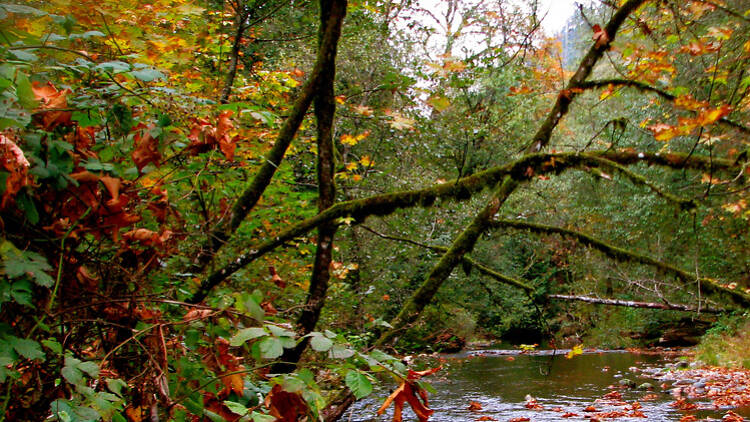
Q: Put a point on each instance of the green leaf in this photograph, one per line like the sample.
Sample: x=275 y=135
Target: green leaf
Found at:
x=21 y=9
x=320 y=343
x=114 y=66
x=20 y=291
x=70 y=371
x=53 y=345
x=24 y=55
x=25 y=203
x=23 y=90
x=18 y=264
x=259 y=417
x=270 y=348
x=86 y=35
x=252 y=306
x=116 y=385
x=90 y=368
x=358 y=383
x=246 y=334
x=27 y=348
x=235 y=407
x=280 y=332
x=340 y=352
x=147 y=75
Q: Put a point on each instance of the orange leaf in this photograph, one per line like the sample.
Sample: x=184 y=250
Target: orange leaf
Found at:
x=53 y=100
x=408 y=392
x=709 y=116
x=14 y=162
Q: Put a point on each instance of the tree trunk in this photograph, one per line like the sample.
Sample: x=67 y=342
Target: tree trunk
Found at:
x=325 y=108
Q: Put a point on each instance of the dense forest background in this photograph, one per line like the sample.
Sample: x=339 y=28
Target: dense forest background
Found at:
x=237 y=209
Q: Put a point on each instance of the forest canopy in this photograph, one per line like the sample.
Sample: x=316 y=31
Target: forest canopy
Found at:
x=246 y=209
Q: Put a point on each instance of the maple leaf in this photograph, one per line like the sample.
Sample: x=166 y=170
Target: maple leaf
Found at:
x=601 y=38
x=523 y=89
x=410 y=392
x=276 y=278
x=688 y=102
x=399 y=122
x=363 y=110
x=15 y=163
x=53 y=100
x=709 y=116
x=663 y=131
x=285 y=406
x=204 y=136
x=475 y=406
x=145 y=147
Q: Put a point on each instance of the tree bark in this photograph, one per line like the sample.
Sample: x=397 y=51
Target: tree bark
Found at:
x=463 y=244
x=522 y=169
x=325 y=108
x=328 y=42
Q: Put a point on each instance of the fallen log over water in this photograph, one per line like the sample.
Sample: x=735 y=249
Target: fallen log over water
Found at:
x=635 y=304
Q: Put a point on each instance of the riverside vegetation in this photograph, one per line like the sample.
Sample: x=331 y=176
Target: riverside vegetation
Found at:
x=248 y=209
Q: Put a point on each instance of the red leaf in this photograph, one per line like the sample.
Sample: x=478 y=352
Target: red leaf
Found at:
x=145 y=148
x=600 y=36
x=474 y=406
x=285 y=406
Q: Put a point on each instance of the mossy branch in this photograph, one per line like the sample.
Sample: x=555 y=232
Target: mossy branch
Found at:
x=521 y=170
x=637 y=179
x=707 y=284
x=643 y=87
x=513 y=282
x=463 y=244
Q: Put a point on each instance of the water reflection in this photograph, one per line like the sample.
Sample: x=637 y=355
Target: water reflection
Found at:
x=501 y=382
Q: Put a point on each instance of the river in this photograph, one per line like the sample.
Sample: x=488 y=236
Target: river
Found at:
x=502 y=381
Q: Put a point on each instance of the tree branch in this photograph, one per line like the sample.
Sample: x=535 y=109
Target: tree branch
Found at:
x=250 y=196
x=643 y=87
x=635 y=304
x=541 y=139
x=621 y=254
x=521 y=170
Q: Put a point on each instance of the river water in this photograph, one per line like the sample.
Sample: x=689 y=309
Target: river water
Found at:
x=501 y=381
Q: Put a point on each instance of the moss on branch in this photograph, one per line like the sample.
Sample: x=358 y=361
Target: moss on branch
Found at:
x=521 y=170
x=621 y=254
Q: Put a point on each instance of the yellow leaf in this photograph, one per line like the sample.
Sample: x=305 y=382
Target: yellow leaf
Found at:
x=577 y=350
x=438 y=102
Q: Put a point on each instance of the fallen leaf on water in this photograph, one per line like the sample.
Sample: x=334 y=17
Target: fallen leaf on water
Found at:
x=474 y=406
